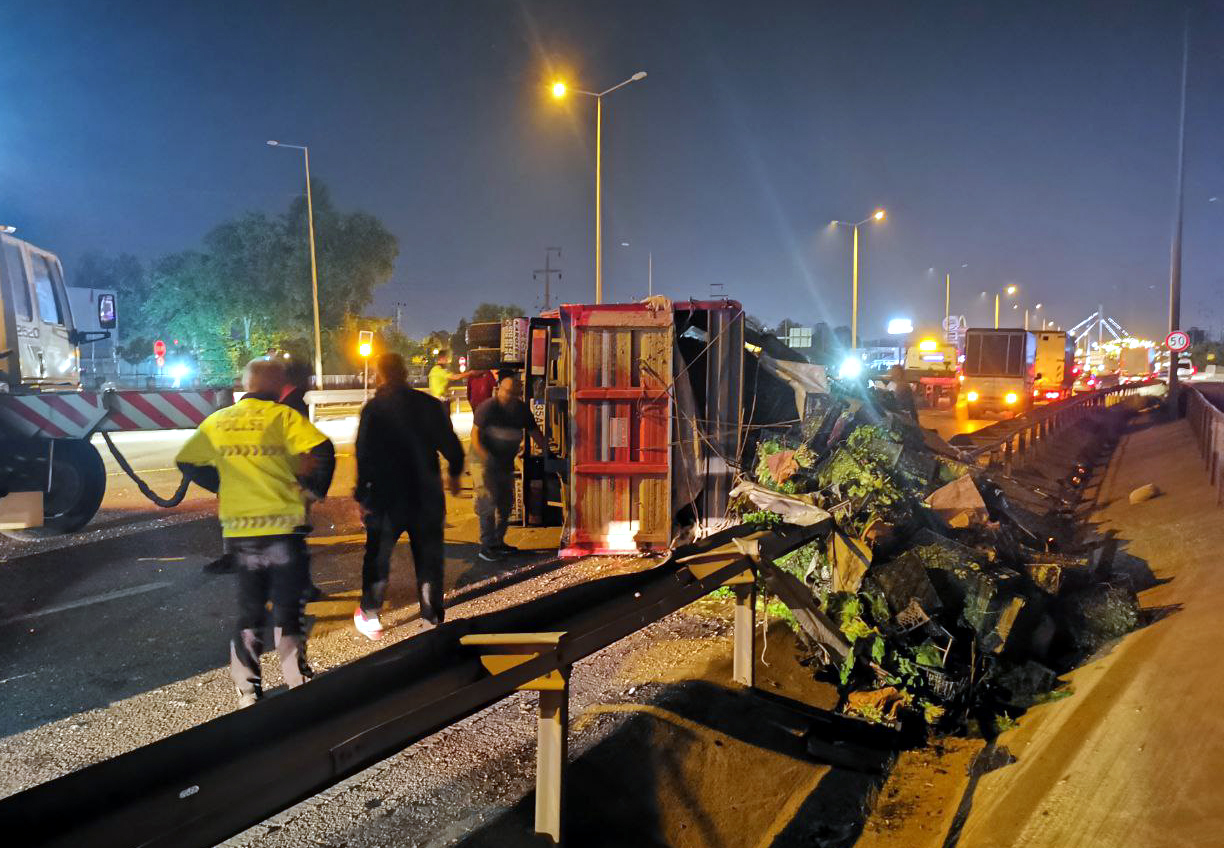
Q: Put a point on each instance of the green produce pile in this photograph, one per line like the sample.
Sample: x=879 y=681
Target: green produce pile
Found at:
x=957 y=614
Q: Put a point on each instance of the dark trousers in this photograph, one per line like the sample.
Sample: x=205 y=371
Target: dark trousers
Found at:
x=383 y=529
x=276 y=569
x=493 y=482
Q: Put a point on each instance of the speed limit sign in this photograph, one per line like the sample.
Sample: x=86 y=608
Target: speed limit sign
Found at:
x=1177 y=341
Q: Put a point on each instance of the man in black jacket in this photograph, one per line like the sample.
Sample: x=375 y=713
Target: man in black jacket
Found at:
x=399 y=489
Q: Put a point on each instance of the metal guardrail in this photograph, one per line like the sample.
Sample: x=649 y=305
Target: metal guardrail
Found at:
x=1008 y=442
x=201 y=786
x=1207 y=421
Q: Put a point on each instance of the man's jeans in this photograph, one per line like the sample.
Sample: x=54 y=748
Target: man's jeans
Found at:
x=493 y=482
x=276 y=569
x=424 y=529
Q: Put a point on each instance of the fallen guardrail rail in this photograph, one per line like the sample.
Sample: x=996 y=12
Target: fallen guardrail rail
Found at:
x=201 y=786
x=1006 y=443
x=1207 y=422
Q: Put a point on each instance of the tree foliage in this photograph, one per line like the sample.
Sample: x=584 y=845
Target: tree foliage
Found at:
x=248 y=289
x=488 y=312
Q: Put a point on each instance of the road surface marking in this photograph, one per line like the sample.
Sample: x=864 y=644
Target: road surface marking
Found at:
x=336 y=540
x=19 y=676
x=160 y=559
x=84 y=602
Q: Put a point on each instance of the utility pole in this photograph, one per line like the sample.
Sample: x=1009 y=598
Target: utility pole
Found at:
x=548 y=271
x=1175 y=253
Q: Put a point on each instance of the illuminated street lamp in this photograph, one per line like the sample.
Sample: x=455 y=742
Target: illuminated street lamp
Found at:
x=878 y=215
x=365 y=346
x=1010 y=290
x=314 y=273
x=559 y=91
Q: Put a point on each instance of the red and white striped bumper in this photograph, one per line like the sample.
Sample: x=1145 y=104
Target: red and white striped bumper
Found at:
x=76 y=415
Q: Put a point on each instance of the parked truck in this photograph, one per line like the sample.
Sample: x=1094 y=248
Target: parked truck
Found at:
x=1055 y=366
x=52 y=479
x=999 y=370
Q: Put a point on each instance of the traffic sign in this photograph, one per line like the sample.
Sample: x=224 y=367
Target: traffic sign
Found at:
x=159 y=348
x=1177 y=341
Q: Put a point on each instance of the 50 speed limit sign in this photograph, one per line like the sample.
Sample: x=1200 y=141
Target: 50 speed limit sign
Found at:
x=1177 y=341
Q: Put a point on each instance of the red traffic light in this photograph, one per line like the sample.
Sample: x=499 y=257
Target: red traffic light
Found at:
x=159 y=348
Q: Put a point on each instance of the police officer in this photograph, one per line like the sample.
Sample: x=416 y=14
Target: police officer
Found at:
x=265 y=460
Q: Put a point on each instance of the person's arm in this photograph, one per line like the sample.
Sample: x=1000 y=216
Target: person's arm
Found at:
x=449 y=447
x=362 y=449
x=533 y=430
x=197 y=460
x=318 y=479
x=477 y=447
x=302 y=437
x=479 y=418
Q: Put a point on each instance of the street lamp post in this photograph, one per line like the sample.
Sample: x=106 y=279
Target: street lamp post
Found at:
x=878 y=215
x=1010 y=290
x=559 y=90
x=314 y=272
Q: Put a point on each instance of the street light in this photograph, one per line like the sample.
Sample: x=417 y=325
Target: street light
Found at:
x=878 y=215
x=1036 y=309
x=1010 y=290
x=365 y=346
x=560 y=90
x=314 y=272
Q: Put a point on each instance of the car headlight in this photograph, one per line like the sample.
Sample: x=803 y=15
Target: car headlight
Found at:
x=1010 y=398
x=851 y=368
x=971 y=397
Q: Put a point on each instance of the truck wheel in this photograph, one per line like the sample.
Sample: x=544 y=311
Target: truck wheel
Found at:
x=78 y=482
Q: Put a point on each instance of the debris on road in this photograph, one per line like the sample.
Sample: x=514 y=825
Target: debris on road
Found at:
x=1144 y=493
x=943 y=593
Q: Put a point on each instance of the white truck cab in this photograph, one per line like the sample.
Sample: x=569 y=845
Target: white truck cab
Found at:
x=38 y=337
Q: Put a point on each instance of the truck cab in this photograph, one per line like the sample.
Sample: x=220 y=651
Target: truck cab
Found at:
x=38 y=339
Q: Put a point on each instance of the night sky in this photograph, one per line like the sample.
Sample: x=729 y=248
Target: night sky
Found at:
x=1033 y=142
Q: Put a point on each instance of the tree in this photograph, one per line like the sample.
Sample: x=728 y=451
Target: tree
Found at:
x=488 y=312
x=249 y=289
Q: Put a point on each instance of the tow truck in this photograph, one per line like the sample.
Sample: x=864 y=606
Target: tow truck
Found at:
x=52 y=479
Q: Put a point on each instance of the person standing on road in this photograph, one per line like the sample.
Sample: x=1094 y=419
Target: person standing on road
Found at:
x=264 y=460
x=399 y=489
x=904 y=393
x=498 y=425
x=440 y=379
x=480 y=387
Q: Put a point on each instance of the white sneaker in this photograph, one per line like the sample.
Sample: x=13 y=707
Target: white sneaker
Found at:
x=369 y=627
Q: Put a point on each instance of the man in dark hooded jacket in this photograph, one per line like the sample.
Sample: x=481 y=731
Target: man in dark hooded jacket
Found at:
x=399 y=489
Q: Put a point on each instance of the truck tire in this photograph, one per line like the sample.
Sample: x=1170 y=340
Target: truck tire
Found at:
x=484 y=335
x=78 y=482
x=484 y=358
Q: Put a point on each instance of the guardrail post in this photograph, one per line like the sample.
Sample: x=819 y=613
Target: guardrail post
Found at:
x=502 y=651
x=743 y=665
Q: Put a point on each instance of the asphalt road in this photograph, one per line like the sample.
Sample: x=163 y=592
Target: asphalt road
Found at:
x=950 y=422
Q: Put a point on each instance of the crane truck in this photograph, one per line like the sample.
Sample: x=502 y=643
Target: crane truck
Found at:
x=52 y=479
